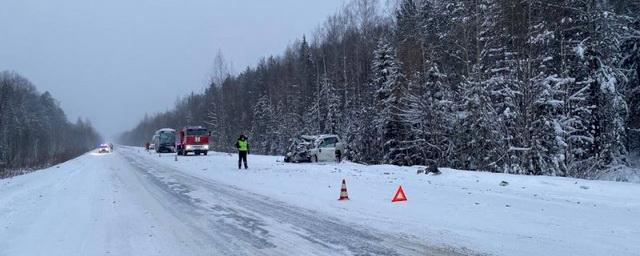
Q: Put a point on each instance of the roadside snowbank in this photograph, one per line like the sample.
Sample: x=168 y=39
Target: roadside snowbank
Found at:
x=629 y=173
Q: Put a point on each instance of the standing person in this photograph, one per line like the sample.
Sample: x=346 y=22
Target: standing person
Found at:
x=243 y=150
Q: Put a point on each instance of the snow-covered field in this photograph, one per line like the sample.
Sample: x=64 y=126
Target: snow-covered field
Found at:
x=135 y=203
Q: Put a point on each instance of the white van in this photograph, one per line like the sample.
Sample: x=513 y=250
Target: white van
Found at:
x=315 y=148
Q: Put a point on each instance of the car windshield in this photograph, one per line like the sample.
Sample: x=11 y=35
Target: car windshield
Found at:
x=197 y=132
x=329 y=142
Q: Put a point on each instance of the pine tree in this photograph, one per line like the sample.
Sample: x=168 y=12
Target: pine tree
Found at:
x=391 y=104
x=311 y=118
x=630 y=61
x=478 y=131
x=429 y=112
x=215 y=122
x=606 y=81
x=262 y=129
x=331 y=105
x=407 y=32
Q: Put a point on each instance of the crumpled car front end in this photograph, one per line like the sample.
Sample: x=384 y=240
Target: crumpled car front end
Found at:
x=298 y=151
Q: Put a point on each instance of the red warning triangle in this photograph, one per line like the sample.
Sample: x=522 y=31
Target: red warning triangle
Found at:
x=400 y=196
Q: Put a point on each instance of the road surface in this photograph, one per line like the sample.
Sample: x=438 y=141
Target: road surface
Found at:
x=120 y=204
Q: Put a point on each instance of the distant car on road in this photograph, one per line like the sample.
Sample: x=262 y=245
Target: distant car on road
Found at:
x=104 y=148
x=152 y=145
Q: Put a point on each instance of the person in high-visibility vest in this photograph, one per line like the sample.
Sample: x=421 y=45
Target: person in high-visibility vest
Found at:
x=243 y=150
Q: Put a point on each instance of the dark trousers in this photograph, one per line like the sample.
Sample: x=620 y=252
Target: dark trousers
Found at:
x=242 y=156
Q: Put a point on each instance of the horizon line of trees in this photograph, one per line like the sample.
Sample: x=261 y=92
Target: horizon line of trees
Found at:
x=537 y=87
x=34 y=131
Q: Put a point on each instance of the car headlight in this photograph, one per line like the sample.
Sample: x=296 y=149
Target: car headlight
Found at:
x=189 y=147
x=206 y=147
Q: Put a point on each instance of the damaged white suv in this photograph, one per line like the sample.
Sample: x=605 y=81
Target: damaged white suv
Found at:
x=316 y=148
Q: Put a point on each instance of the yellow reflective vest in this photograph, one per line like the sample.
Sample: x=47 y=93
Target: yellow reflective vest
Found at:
x=243 y=145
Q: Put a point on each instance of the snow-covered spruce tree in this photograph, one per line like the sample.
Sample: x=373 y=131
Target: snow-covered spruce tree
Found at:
x=262 y=130
x=363 y=147
x=529 y=87
x=546 y=81
x=380 y=70
x=408 y=38
x=290 y=107
x=477 y=132
x=306 y=76
x=601 y=54
x=563 y=88
x=630 y=62
x=331 y=105
x=313 y=116
x=429 y=114
x=427 y=98
x=367 y=145
x=391 y=98
x=214 y=121
x=593 y=110
x=279 y=131
x=473 y=62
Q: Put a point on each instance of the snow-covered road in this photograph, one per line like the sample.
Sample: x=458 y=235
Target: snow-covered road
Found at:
x=132 y=202
x=124 y=204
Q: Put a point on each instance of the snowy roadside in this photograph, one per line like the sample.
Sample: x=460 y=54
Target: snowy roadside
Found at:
x=629 y=173
x=529 y=216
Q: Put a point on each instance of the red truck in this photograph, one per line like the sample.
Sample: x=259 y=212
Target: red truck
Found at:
x=193 y=139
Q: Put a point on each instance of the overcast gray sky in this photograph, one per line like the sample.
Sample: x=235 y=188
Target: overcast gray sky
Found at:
x=112 y=61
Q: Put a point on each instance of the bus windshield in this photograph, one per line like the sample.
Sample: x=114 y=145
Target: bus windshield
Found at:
x=167 y=137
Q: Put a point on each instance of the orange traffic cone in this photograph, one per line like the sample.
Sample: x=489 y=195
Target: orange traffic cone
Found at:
x=343 y=191
x=400 y=196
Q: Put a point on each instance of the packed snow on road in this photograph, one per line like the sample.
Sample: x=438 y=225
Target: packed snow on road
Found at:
x=132 y=202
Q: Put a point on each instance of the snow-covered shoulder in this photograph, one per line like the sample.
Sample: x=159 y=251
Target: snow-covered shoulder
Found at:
x=487 y=212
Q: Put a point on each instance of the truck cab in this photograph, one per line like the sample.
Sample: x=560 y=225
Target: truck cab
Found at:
x=193 y=139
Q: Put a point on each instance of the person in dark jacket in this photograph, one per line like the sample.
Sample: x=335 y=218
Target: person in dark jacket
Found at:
x=243 y=150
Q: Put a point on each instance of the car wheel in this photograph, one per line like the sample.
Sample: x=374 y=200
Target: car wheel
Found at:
x=205 y=153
